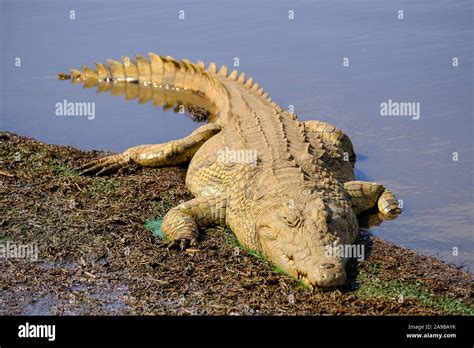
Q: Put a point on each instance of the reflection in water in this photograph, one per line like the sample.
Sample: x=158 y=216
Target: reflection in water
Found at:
x=195 y=105
x=373 y=218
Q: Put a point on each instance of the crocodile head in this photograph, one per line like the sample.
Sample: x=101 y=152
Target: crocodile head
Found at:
x=296 y=239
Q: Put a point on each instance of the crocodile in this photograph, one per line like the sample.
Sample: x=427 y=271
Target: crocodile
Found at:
x=284 y=187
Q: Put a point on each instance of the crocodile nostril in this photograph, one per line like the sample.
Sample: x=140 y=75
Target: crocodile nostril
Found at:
x=327 y=265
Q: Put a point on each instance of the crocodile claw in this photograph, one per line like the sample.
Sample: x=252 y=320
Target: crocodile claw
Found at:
x=104 y=166
x=182 y=244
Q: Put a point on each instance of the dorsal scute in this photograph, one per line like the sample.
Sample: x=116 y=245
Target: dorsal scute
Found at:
x=77 y=75
x=157 y=68
x=130 y=68
x=144 y=69
x=223 y=71
x=90 y=73
x=233 y=75
x=189 y=66
x=200 y=64
x=212 y=68
x=249 y=83
x=103 y=71
x=118 y=72
x=241 y=78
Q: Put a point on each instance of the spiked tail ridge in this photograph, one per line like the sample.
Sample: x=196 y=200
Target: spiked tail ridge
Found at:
x=163 y=79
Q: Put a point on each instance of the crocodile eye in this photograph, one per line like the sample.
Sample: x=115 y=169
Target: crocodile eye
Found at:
x=322 y=215
x=292 y=220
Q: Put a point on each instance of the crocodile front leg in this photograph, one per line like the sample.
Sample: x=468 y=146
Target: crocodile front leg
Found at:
x=157 y=155
x=181 y=224
x=334 y=135
x=366 y=195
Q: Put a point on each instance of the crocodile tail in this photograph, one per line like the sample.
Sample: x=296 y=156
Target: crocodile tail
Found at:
x=143 y=78
x=168 y=82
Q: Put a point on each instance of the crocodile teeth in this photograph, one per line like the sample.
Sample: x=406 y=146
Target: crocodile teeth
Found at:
x=301 y=275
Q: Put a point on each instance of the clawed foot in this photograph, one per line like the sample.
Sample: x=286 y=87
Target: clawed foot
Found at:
x=392 y=213
x=388 y=205
x=182 y=244
x=106 y=165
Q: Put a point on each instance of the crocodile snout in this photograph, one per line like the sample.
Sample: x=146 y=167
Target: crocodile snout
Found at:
x=330 y=278
x=325 y=275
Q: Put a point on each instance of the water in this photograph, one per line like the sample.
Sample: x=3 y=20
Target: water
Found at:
x=299 y=62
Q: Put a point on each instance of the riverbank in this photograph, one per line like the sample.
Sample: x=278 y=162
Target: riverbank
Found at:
x=95 y=255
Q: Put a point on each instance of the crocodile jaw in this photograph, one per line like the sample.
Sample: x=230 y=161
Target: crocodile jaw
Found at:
x=297 y=240
x=309 y=265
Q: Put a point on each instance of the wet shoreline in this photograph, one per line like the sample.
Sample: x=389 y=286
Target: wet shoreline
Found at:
x=97 y=258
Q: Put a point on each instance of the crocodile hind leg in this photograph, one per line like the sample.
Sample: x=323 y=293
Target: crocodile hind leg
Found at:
x=333 y=135
x=367 y=195
x=181 y=224
x=156 y=155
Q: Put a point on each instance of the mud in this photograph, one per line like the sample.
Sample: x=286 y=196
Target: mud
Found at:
x=95 y=256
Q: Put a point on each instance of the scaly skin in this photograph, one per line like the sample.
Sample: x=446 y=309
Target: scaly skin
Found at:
x=294 y=199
